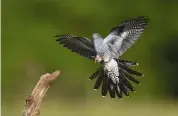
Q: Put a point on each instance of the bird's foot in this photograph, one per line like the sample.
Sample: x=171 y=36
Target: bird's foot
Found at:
x=95 y=58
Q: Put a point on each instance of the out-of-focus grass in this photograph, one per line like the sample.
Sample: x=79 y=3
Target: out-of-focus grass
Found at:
x=102 y=107
x=29 y=50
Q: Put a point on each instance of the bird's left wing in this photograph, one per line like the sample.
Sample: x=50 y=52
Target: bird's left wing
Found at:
x=124 y=35
x=80 y=45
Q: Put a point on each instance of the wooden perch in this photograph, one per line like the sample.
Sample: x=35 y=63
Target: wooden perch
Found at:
x=32 y=106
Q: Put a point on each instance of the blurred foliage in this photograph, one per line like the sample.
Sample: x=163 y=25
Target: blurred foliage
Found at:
x=29 y=48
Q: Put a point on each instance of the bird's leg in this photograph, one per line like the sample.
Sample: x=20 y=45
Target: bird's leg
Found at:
x=98 y=58
x=94 y=58
x=102 y=57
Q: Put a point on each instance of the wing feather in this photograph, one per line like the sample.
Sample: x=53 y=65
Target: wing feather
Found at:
x=125 y=35
x=80 y=45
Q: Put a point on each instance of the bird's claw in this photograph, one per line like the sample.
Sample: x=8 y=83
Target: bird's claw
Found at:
x=95 y=57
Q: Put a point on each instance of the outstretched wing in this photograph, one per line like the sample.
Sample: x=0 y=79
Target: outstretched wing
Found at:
x=124 y=35
x=80 y=45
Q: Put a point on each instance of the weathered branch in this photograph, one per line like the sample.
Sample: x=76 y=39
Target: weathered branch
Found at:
x=32 y=106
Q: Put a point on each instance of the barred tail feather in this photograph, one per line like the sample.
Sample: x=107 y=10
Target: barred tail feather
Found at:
x=94 y=75
x=118 y=91
x=128 y=76
x=104 y=87
x=128 y=63
x=131 y=71
x=124 y=89
x=100 y=79
x=127 y=83
x=111 y=89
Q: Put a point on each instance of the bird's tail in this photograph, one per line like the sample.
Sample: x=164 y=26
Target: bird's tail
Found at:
x=102 y=80
x=121 y=87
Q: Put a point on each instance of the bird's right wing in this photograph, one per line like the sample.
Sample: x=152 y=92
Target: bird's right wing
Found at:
x=80 y=45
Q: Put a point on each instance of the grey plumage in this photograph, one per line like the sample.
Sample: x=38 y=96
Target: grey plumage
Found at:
x=113 y=73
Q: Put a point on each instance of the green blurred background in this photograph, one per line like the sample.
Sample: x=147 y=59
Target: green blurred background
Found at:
x=29 y=50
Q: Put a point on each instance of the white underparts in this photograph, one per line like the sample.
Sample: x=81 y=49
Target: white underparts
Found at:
x=112 y=70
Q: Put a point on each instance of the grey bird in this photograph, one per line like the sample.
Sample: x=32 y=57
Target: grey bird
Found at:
x=113 y=74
